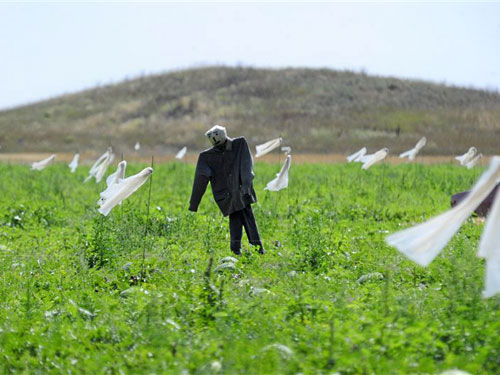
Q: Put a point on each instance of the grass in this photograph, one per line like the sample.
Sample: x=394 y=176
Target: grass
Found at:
x=314 y=110
x=328 y=297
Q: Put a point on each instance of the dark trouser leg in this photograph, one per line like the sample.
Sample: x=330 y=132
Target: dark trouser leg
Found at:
x=251 y=229
x=236 y=231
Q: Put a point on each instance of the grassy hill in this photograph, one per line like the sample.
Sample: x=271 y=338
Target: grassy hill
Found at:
x=313 y=110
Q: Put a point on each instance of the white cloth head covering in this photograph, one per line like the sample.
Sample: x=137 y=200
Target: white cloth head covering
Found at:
x=217 y=135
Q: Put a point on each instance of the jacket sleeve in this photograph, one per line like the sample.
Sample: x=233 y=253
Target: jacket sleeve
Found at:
x=246 y=168
x=201 y=179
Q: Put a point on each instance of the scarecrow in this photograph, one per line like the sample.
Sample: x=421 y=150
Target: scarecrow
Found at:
x=228 y=166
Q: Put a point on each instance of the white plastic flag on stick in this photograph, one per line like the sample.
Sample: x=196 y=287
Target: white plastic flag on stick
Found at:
x=472 y=163
x=118 y=175
x=137 y=146
x=100 y=159
x=357 y=155
x=423 y=242
x=411 y=154
x=286 y=149
x=74 y=163
x=281 y=180
x=369 y=160
x=101 y=165
x=489 y=248
x=181 y=153
x=95 y=166
x=465 y=158
x=113 y=179
x=103 y=168
x=39 y=165
x=122 y=190
x=267 y=147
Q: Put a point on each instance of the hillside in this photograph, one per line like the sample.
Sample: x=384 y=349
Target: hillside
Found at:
x=314 y=110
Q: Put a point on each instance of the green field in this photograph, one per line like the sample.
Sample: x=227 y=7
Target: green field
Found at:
x=85 y=294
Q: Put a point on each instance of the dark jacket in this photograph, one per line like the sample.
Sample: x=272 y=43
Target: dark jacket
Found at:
x=230 y=172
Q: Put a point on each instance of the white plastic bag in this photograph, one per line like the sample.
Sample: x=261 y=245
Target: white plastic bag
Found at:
x=465 y=158
x=357 y=155
x=489 y=248
x=472 y=163
x=181 y=153
x=100 y=166
x=74 y=163
x=122 y=190
x=267 y=147
x=423 y=242
x=411 y=154
x=286 y=150
x=281 y=180
x=39 y=165
x=369 y=160
x=113 y=179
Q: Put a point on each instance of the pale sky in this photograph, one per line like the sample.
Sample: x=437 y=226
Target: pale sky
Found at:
x=48 y=49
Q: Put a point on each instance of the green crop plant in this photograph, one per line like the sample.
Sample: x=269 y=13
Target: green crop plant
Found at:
x=154 y=293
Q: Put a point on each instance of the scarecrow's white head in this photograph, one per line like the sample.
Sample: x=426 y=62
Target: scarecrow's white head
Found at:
x=217 y=135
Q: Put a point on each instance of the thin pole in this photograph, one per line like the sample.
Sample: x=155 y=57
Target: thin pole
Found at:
x=121 y=205
x=383 y=176
x=184 y=172
x=101 y=250
x=279 y=151
x=146 y=225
